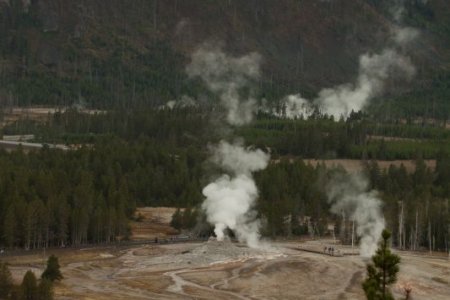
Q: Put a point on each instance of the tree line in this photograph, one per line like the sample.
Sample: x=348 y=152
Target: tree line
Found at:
x=159 y=158
x=359 y=137
x=415 y=204
x=51 y=198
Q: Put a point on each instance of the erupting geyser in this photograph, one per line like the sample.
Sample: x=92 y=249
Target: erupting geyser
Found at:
x=231 y=198
x=349 y=194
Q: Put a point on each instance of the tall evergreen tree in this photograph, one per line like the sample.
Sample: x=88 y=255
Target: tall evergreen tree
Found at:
x=45 y=290
x=177 y=220
x=52 y=272
x=29 y=287
x=383 y=271
x=10 y=227
x=6 y=282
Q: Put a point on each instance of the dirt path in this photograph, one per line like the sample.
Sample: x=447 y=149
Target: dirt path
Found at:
x=180 y=283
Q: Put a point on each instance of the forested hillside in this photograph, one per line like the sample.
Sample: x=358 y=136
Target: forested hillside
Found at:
x=120 y=53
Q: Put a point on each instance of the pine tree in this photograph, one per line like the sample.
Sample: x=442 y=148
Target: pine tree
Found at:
x=62 y=220
x=45 y=290
x=189 y=218
x=10 y=227
x=29 y=287
x=177 y=221
x=382 y=272
x=6 y=282
x=52 y=271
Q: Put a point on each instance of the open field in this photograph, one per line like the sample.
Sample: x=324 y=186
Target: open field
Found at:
x=223 y=270
x=37 y=113
x=154 y=223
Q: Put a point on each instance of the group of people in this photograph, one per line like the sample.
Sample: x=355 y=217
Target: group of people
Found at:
x=329 y=250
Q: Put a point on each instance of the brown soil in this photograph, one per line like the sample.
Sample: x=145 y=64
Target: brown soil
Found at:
x=155 y=223
x=36 y=113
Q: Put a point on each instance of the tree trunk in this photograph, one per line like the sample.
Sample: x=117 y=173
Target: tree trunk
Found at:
x=416 y=233
x=155 y=13
x=400 y=227
x=429 y=235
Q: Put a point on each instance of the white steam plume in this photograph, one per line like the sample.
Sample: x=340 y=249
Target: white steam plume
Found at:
x=349 y=195
x=226 y=76
x=402 y=36
x=184 y=102
x=296 y=106
x=340 y=101
x=374 y=71
x=230 y=200
x=239 y=160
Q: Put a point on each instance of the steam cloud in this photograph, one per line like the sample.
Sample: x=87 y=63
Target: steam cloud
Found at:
x=185 y=101
x=349 y=195
x=231 y=198
x=374 y=71
x=227 y=76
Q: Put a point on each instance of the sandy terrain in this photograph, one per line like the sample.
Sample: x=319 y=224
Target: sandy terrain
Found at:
x=155 y=222
x=214 y=270
x=389 y=138
x=37 y=113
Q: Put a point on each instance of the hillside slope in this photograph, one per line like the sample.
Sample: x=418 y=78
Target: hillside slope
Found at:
x=128 y=52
